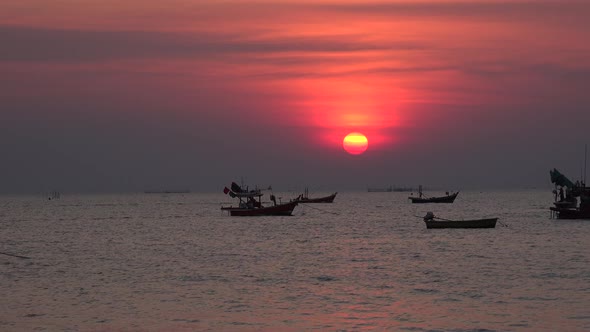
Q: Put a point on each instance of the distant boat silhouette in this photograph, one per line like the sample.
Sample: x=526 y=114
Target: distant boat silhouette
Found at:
x=449 y=198
x=380 y=190
x=53 y=195
x=304 y=198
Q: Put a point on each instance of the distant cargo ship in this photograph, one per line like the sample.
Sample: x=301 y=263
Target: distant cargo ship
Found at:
x=167 y=191
x=390 y=189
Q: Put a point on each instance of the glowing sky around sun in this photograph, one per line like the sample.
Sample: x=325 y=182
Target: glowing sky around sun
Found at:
x=404 y=73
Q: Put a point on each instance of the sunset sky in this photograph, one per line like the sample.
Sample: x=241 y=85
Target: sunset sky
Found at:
x=107 y=96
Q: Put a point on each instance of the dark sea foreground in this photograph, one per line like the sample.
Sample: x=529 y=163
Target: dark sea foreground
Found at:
x=174 y=262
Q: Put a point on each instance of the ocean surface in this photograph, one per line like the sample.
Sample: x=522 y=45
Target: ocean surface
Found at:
x=175 y=262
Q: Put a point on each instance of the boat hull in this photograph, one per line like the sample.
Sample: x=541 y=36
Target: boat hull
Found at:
x=562 y=213
x=327 y=199
x=479 y=223
x=566 y=204
x=276 y=210
x=441 y=199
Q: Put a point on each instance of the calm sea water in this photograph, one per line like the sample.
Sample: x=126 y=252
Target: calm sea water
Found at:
x=176 y=263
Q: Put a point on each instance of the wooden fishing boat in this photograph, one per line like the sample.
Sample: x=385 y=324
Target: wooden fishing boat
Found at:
x=566 y=198
x=276 y=210
x=435 y=222
x=250 y=203
x=304 y=198
x=450 y=198
x=475 y=223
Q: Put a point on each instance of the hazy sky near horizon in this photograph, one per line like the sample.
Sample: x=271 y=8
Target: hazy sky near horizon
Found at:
x=145 y=94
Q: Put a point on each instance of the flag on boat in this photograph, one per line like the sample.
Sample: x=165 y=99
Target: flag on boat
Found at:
x=236 y=188
x=225 y=190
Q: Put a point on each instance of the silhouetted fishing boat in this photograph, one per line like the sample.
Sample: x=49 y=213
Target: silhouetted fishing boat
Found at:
x=448 y=198
x=304 y=198
x=436 y=222
x=566 y=201
x=250 y=203
x=276 y=210
x=566 y=198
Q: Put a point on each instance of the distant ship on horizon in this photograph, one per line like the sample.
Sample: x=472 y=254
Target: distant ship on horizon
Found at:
x=389 y=189
x=184 y=191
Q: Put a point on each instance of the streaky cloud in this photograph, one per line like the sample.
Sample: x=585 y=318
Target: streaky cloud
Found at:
x=61 y=45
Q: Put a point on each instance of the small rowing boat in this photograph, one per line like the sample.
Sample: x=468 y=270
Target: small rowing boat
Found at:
x=436 y=222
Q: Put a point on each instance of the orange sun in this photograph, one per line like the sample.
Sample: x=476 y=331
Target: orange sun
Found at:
x=355 y=143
